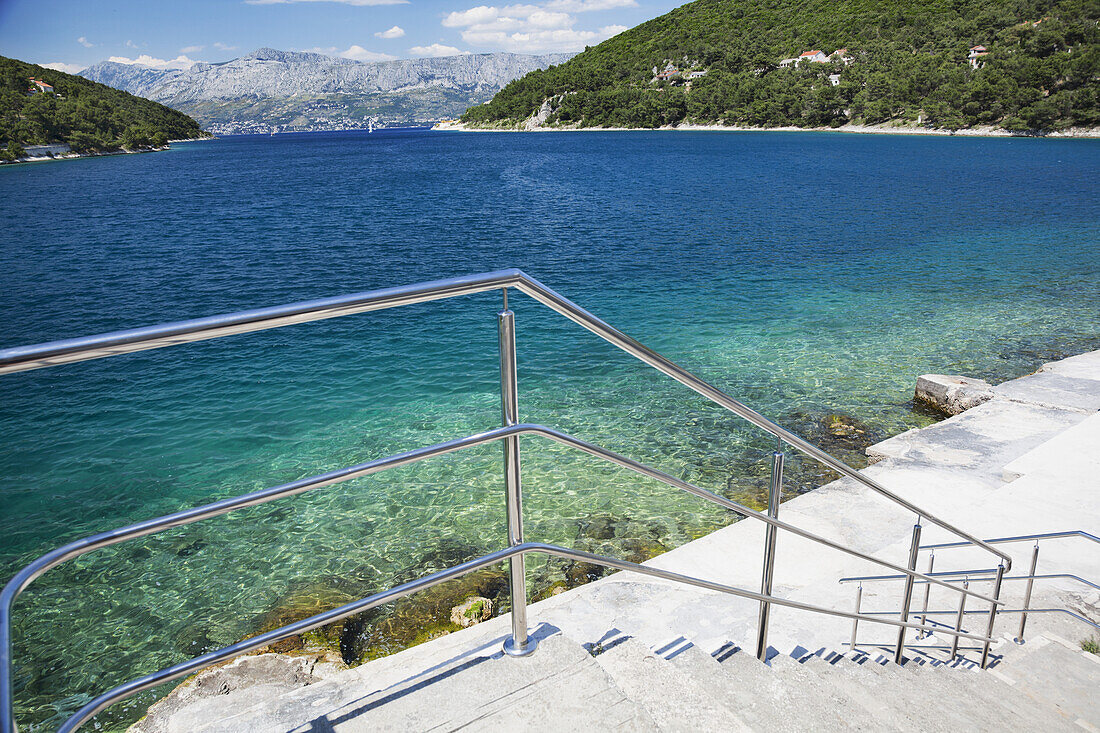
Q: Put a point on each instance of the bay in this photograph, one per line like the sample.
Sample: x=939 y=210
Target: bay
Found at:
x=807 y=274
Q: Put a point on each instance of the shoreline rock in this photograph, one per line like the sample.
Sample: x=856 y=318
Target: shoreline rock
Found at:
x=952 y=394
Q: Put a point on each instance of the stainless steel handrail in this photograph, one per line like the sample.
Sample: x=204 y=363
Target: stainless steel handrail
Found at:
x=24 y=358
x=75 y=549
x=120 y=342
x=938 y=574
x=1020 y=538
x=1043 y=576
x=206 y=660
x=951 y=632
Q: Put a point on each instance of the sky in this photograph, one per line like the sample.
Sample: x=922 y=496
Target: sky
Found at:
x=71 y=35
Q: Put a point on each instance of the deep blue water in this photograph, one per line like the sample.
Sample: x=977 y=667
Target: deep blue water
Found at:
x=805 y=273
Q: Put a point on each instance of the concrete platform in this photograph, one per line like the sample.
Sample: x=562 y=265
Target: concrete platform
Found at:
x=1026 y=461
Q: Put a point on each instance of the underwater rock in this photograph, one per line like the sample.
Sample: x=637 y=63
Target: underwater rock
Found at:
x=472 y=611
x=421 y=617
x=300 y=603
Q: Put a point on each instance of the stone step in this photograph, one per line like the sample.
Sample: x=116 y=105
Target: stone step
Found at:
x=986 y=698
x=560 y=688
x=789 y=698
x=669 y=696
x=805 y=679
x=1056 y=673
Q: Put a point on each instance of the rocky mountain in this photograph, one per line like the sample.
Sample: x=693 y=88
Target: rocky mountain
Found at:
x=270 y=90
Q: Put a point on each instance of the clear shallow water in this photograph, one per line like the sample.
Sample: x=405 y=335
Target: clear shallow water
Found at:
x=805 y=273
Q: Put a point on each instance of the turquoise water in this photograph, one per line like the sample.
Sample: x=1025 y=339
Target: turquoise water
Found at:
x=804 y=273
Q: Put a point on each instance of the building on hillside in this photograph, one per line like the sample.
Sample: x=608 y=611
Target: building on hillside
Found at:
x=975 y=56
x=784 y=63
x=841 y=54
x=697 y=74
x=40 y=86
x=834 y=79
x=816 y=57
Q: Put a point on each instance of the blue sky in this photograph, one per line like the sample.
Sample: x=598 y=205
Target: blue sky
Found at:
x=73 y=34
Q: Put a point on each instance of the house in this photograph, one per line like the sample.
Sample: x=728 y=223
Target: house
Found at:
x=841 y=54
x=834 y=79
x=41 y=86
x=697 y=74
x=816 y=57
x=976 y=53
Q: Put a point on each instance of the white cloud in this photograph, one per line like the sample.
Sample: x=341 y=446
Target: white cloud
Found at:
x=224 y=46
x=587 y=6
x=191 y=49
x=345 y=2
x=67 y=68
x=359 y=53
x=395 y=32
x=527 y=28
x=84 y=42
x=180 y=62
x=130 y=44
x=436 y=50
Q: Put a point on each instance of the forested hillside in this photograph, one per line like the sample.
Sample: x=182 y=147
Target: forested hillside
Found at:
x=905 y=61
x=86 y=115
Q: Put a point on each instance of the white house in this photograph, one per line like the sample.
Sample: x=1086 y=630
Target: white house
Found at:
x=816 y=57
x=841 y=54
x=697 y=74
x=834 y=79
x=976 y=53
x=42 y=86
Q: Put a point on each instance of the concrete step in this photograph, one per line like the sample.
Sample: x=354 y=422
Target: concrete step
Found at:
x=806 y=680
x=851 y=678
x=788 y=697
x=1054 y=672
x=986 y=698
x=669 y=696
x=560 y=688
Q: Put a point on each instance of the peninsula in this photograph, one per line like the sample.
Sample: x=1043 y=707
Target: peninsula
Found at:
x=1016 y=68
x=46 y=113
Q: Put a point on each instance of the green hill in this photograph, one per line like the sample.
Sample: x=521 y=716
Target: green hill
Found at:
x=908 y=63
x=86 y=115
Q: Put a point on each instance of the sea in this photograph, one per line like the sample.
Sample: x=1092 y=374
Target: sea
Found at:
x=811 y=275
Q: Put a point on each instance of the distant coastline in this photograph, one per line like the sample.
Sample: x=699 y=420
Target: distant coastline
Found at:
x=72 y=155
x=1077 y=132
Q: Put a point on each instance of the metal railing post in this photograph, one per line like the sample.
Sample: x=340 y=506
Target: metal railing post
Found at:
x=927 y=590
x=519 y=644
x=855 y=621
x=914 y=548
x=775 y=491
x=1027 y=593
x=959 y=620
x=992 y=614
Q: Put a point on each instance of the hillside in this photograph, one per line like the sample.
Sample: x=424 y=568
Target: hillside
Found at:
x=86 y=115
x=270 y=90
x=906 y=61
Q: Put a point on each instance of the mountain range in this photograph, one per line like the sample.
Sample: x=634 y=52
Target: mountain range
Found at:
x=270 y=90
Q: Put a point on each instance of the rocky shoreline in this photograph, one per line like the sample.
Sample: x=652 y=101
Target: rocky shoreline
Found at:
x=887 y=129
x=71 y=155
